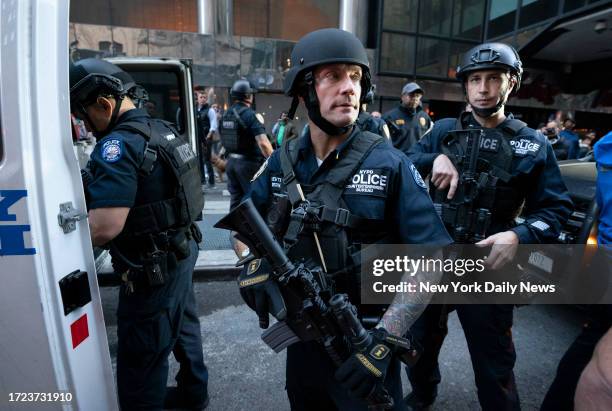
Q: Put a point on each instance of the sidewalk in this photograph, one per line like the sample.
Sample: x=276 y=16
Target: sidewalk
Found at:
x=216 y=259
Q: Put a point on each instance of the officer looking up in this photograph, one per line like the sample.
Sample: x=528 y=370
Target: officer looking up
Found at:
x=143 y=195
x=343 y=171
x=408 y=122
x=244 y=138
x=521 y=171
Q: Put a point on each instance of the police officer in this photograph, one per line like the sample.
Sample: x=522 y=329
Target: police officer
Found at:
x=143 y=195
x=523 y=172
x=327 y=164
x=408 y=122
x=367 y=122
x=244 y=138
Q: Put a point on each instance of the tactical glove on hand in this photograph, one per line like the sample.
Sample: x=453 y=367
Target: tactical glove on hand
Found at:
x=260 y=292
x=364 y=371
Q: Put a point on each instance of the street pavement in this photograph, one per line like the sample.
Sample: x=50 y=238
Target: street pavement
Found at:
x=246 y=375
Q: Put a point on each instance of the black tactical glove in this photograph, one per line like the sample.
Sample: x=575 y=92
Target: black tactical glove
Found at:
x=260 y=292
x=364 y=371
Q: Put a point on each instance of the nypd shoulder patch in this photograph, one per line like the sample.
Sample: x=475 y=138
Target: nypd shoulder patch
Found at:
x=417 y=177
x=111 y=150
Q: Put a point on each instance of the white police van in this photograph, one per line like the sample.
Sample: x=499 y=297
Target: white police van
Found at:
x=54 y=352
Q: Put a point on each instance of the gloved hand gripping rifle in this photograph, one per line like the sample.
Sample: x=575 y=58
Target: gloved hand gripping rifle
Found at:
x=311 y=313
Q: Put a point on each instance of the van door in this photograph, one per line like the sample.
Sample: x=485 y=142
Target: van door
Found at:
x=53 y=345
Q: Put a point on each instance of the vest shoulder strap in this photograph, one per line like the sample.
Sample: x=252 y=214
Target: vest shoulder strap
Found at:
x=513 y=126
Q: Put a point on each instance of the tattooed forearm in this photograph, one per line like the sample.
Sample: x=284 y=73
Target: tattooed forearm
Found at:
x=407 y=307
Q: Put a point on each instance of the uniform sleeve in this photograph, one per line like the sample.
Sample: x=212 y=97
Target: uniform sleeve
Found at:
x=254 y=126
x=261 y=186
x=547 y=205
x=212 y=118
x=114 y=167
x=425 y=151
x=414 y=213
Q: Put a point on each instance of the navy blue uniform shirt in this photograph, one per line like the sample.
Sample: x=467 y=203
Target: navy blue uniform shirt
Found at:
x=547 y=202
x=572 y=142
x=387 y=187
x=253 y=127
x=114 y=165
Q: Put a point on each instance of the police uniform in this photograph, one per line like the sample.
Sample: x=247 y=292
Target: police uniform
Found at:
x=407 y=126
x=152 y=319
x=530 y=174
x=387 y=201
x=245 y=157
x=367 y=122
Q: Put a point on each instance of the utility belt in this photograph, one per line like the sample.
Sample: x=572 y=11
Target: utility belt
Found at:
x=156 y=252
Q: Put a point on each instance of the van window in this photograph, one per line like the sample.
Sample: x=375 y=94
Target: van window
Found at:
x=166 y=96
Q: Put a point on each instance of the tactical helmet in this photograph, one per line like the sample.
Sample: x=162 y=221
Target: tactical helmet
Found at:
x=91 y=77
x=324 y=46
x=489 y=56
x=241 y=89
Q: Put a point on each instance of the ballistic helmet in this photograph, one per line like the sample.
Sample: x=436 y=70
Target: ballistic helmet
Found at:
x=319 y=47
x=241 y=89
x=491 y=56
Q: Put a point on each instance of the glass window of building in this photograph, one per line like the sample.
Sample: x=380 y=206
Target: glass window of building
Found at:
x=468 y=18
x=283 y=19
x=501 y=17
x=456 y=52
x=432 y=57
x=435 y=17
x=176 y=15
x=534 y=11
x=400 y=15
x=397 y=53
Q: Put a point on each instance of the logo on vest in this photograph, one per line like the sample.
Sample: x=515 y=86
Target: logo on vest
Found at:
x=524 y=146
x=368 y=181
x=489 y=144
x=276 y=182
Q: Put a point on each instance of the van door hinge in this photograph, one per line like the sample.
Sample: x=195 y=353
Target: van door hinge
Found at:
x=68 y=216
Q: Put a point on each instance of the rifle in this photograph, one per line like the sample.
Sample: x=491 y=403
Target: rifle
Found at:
x=312 y=312
x=467 y=222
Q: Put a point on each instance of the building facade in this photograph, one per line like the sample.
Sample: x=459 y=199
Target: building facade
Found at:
x=407 y=40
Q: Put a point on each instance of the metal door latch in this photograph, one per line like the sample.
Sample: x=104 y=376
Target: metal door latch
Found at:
x=68 y=216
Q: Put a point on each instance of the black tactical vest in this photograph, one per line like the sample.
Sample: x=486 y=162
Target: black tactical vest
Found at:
x=339 y=231
x=497 y=191
x=163 y=144
x=233 y=132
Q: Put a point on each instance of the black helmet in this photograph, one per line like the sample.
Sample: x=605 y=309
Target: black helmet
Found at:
x=489 y=56
x=323 y=47
x=241 y=90
x=91 y=77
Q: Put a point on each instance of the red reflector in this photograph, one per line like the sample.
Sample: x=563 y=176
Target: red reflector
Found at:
x=79 y=331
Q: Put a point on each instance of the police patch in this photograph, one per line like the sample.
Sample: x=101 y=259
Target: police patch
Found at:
x=111 y=150
x=524 y=146
x=261 y=170
x=422 y=122
x=399 y=122
x=417 y=177
x=369 y=181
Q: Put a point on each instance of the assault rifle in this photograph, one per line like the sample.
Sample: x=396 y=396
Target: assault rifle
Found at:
x=313 y=312
x=467 y=222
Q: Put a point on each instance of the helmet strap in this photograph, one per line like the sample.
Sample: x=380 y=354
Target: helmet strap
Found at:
x=314 y=110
